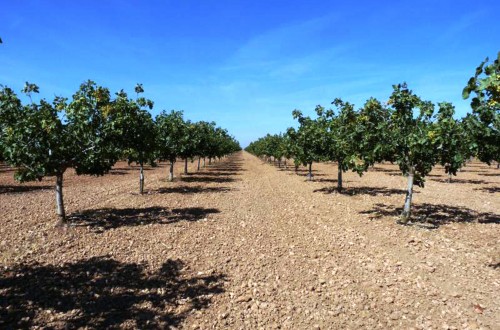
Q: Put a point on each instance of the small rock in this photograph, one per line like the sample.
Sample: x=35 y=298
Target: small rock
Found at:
x=389 y=300
x=241 y=299
x=394 y=316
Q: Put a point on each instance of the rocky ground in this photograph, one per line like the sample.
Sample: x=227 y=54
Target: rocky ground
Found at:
x=246 y=245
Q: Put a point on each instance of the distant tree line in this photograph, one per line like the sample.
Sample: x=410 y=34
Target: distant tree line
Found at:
x=93 y=130
x=406 y=130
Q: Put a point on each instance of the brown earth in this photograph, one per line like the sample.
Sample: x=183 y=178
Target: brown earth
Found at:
x=245 y=245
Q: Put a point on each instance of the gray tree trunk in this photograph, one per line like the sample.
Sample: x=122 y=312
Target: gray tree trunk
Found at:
x=186 y=166
x=59 y=199
x=339 y=177
x=199 y=162
x=171 y=172
x=141 y=179
x=405 y=216
x=204 y=159
x=310 y=175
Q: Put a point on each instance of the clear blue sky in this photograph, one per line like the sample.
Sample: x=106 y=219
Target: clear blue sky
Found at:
x=248 y=64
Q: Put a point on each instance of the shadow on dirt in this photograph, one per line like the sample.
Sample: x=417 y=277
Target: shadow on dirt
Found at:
x=372 y=191
x=192 y=190
x=490 y=174
x=215 y=173
x=114 y=172
x=384 y=170
x=11 y=189
x=495 y=265
x=461 y=181
x=434 y=214
x=207 y=179
x=100 y=293
x=491 y=190
x=108 y=218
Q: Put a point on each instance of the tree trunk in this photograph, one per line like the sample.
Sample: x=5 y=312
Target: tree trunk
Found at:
x=296 y=168
x=279 y=163
x=171 y=172
x=449 y=177
x=339 y=177
x=199 y=162
x=59 y=200
x=309 y=175
x=141 y=179
x=209 y=160
x=204 y=159
x=405 y=216
x=286 y=167
x=186 y=166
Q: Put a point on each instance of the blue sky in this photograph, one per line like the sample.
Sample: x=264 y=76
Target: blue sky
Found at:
x=248 y=64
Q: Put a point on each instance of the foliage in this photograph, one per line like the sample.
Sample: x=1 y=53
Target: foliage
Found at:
x=449 y=136
x=170 y=134
x=484 y=123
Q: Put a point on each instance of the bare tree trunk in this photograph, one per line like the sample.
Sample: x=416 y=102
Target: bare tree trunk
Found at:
x=449 y=177
x=59 y=200
x=141 y=179
x=209 y=160
x=204 y=160
x=309 y=175
x=199 y=163
x=186 y=166
x=171 y=172
x=296 y=168
x=339 y=177
x=405 y=216
x=286 y=167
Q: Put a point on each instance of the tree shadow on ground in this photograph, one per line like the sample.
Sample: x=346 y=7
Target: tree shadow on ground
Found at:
x=372 y=191
x=384 y=170
x=214 y=173
x=16 y=189
x=207 y=179
x=495 y=265
x=434 y=214
x=461 y=181
x=192 y=190
x=101 y=293
x=108 y=218
x=314 y=174
x=490 y=174
x=114 y=172
x=232 y=168
x=491 y=190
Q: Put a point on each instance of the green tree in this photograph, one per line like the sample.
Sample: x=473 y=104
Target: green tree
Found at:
x=485 y=104
x=450 y=138
x=170 y=134
x=135 y=130
x=374 y=140
x=190 y=143
x=340 y=138
x=414 y=148
x=39 y=143
x=309 y=140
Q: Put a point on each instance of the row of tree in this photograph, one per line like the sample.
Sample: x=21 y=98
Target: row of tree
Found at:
x=94 y=130
x=407 y=130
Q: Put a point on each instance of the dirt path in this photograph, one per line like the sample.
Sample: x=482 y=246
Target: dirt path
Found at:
x=243 y=244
